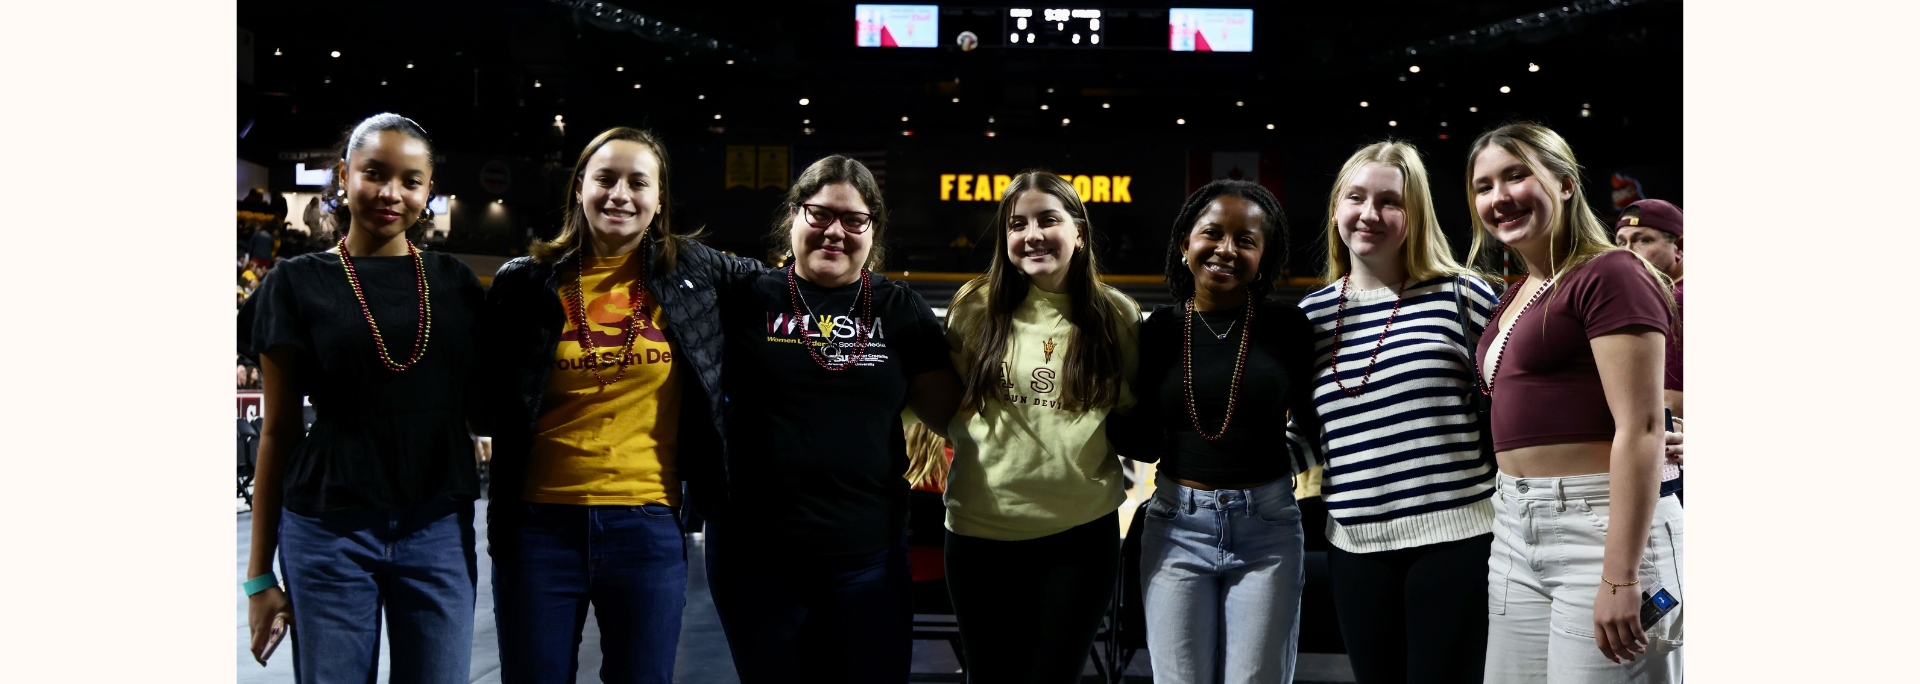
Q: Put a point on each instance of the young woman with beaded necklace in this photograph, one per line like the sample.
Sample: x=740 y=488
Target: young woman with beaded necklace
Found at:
x=605 y=362
x=808 y=561
x=1406 y=483
x=1033 y=536
x=1573 y=363
x=1221 y=559
x=371 y=509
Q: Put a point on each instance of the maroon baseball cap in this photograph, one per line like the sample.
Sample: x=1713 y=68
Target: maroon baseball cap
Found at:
x=1654 y=213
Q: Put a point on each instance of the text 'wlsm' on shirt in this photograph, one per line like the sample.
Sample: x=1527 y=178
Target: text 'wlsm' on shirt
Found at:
x=817 y=458
x=1548 y=389
x=1029 y=464
x=380 y=439
x=612 y=445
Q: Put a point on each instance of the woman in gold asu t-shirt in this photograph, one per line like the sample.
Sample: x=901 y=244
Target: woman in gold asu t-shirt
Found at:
x=595 y=403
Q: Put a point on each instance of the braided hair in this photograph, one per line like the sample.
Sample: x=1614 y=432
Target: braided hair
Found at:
x=1273 y=229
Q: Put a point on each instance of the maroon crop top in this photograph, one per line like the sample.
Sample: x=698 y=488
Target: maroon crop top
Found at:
x=1547 y=390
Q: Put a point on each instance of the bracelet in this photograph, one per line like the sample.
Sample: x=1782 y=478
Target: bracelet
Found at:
x=260 y=584
x=1617 y=585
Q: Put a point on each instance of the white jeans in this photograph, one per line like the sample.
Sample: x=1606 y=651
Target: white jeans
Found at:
x=1549 y=536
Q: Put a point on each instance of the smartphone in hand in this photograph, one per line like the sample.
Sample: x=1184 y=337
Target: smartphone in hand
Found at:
x=275 y=633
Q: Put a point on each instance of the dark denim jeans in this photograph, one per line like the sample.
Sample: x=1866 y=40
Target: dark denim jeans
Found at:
x=343 y=568
x=629 y=562
x=804 y=620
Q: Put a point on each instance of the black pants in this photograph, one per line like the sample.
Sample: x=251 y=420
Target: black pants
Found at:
x=1028 y=610
x=790 y=619
x=1417 y=614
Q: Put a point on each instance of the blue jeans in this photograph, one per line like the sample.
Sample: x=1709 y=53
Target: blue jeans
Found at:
x=788 y=619
x=342 y=568
x=629 y=562
x=1220 y=575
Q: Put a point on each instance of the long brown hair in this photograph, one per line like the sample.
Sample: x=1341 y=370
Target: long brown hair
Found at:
x=827 y=171
x=1093 y=365
x=574 y=228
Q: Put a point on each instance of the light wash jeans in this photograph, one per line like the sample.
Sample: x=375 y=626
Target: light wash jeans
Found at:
x=1549 y=535
x=1221 y=574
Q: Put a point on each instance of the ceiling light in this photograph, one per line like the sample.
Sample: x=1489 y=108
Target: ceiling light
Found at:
x=409 y=65
x=1049 y=90
x=1043 y=108
x=276 y=52
x=1239 y=103
x=903 y=118
x=989 y=134
x=536 y=83
x=700 y=97
x=729 y=61
x=1064 y=122
x=716 y=116
x=808 y=131
x=383 y=83
x=989 y=119
x=1269 y=127
x=1584 y=113
x=1104 y=105
x=336 y=53
x=1473 y=109
x=1182 y=122
x=500 y=201
x=806 y=121
x=1505 y=89
x=557 y=117
x=907 y=132
x=956 y=99
x=1403 y=78
x=636 y=86
x=1443 y=124
x=1585 y=105
x=803 y=102
x=1363 y=103
x=1414 y=69
x=620 y=68
x=1532 y=67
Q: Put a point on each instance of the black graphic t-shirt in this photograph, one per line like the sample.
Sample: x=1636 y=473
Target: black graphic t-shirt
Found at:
x=816 y=458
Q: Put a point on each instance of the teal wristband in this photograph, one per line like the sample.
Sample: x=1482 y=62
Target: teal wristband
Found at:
x=260 y=584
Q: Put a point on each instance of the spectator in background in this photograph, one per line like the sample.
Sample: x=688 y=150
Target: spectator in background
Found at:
x=260 y=247
x=311 y=216
x=1651 y=228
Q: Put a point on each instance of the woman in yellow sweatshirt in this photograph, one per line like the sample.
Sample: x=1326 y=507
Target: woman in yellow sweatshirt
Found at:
x=1033 y=539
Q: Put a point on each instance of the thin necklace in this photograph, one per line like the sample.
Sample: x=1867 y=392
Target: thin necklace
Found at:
x=1339 y=319
x=425 y=308
x=1233 y=392
x=1218 y=335
x=863 y=303
x=640 y=308
x=1480 y=379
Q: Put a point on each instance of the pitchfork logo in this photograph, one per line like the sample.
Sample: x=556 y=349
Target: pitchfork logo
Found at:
x=608 y=316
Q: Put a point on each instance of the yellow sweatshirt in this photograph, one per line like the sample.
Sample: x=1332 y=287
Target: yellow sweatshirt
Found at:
x=1026 y=467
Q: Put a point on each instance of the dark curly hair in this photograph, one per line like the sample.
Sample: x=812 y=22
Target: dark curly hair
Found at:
x=333 y=201
x=1273 y=229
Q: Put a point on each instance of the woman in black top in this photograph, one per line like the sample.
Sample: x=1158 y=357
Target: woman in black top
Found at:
x=1219 y=373
x=808 y=563
x=371 y=509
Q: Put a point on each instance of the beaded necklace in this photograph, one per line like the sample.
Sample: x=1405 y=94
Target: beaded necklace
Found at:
x=1480 y=379
x=1186 y=367
x=425 y=308
x=1339 y=319
x=862 y=330
x=640 y=308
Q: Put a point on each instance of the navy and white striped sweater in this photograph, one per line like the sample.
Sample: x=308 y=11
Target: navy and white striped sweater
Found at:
x=1403 y=462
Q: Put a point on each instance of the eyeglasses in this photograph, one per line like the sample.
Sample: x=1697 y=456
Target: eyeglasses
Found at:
x=820 y=217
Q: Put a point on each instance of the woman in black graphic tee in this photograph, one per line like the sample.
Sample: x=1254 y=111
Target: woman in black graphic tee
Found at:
x=371 y=510
x=808 y=564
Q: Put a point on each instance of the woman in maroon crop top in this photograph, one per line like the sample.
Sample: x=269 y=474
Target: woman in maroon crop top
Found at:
x=1573 y=361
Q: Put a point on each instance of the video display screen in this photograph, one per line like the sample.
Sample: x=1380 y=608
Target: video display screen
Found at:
x=1210 y=30
x=916 y=26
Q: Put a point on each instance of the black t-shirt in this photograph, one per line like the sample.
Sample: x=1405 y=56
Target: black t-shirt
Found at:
x=1253 y=449
x=379 y=439
x=817 y=458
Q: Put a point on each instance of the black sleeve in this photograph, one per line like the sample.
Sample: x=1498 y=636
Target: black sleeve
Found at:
x=473 y=297
x=272 y=317
x=1140 y=435
x=1297 y=349
x=923 y=345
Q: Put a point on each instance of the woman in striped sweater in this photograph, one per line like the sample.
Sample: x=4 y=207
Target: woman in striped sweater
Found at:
x=1407 y=484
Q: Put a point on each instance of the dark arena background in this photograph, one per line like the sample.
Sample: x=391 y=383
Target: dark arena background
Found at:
x=746 y=95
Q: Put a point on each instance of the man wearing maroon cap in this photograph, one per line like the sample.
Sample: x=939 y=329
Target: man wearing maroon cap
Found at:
x=1652 y=229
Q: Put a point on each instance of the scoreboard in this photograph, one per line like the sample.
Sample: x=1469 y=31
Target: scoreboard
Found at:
x=1029 y=27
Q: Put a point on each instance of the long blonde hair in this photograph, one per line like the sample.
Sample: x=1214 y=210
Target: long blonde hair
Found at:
x=1426 y=253
x=926 y=458
x=1575 y=235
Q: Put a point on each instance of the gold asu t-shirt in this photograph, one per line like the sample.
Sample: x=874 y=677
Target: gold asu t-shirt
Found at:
x=611 y=445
